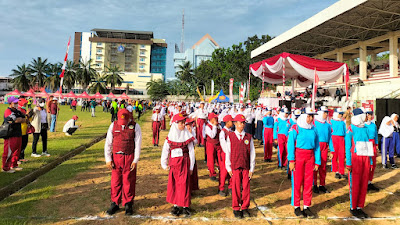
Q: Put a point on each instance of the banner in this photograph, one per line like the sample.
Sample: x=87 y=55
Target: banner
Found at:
x=241 y=93
x=315 y=89
x=231 y=90
x=198 y=92
x=212 y=87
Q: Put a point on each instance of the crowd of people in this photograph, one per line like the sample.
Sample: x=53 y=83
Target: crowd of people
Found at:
x=305 y=140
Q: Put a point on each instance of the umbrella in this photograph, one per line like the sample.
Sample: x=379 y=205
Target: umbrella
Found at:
x=111 y=95
x=29 y=93
x=98 y=96
x=70 y=95
x=84 y=95
x=43 y=94
x=15 y=92
x=124 y=96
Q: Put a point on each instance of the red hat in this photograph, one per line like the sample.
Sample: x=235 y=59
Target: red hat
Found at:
x=189 y=121
x=123 y=116
x=240 y=118
x=178 y=117
x=74 y=117
x=228 y=118
x=212 y=115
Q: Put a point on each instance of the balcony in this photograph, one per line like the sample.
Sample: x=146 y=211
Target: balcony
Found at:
x=142 y=55
x=143 y=47
x=142 y=62
x=99 y=60
x=99 y=46
x=99 y=53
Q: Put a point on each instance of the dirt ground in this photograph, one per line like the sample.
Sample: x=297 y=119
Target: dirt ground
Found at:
x=87 y=194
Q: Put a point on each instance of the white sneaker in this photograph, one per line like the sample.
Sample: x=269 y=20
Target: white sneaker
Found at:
x=17 y=168
x=19 y=162
x=46 y=154
x=9 y=171
x=67 y=134
x=35 y=155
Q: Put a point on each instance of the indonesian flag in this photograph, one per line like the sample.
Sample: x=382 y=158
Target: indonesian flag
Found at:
x=241 y=93
x=64 y=65
x=315 y=88
x=346 y=80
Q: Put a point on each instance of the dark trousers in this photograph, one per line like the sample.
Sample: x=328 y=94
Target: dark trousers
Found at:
x=36 y=136
x=23 y=146
x=71 y=130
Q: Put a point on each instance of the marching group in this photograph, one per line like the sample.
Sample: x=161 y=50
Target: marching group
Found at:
x=303 y=138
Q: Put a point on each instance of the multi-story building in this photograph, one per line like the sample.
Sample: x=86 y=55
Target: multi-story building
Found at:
x=199 y=52
x=140 y=57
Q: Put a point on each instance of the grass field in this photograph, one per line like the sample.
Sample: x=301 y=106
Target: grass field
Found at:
x=78 y=191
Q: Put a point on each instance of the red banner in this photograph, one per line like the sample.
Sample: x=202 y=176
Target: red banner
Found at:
x=231 y=90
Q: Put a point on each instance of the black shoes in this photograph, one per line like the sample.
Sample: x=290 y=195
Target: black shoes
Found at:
x=359 y=213
x=385 y=166
x=128 y=209
x=289 y=176
x=113 y=209
x=186 y=212
x=265 y=160
x=298 y=212
x=394 y=166
x=345 y=176
x=315 y=189
x=213 y=178
x=372 y=187
x=323 y=189
x=308 y=214
x=222 y=193
x=175 y=211
x=338 y=176
x=238 y=214
x=246 y=213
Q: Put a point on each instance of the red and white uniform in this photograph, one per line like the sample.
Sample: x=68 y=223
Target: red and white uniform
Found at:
x=212 y=146
x=240 y=159
x=156 y=118
x=201 y=115
x=122 y=147
x=223 y=173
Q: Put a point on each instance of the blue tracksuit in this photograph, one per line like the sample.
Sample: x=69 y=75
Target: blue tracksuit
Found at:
x=304 y=139
x=324 y=131
x=281 y=127
x=372 y=131
x=338 y=129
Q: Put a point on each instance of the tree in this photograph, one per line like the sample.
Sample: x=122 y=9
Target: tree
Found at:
x=112 y=76
x=98 y=85
x=157 y=89
x=70 y=76
x=185 y=72
x=85 y=73
x=22 y=78
x=53 y=80
x=38 y=68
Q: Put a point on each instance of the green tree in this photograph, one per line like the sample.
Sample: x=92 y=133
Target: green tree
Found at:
x=39 y=68
x=112 y=76
x=70 y=76
x=185 y=72
x=53 y=80
x=85 y=73
x=98 y=85
x=157 y=89
x=22 y=78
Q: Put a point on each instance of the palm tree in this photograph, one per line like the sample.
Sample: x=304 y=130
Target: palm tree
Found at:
x=22 y=78
x=38 y=68
x=85 y=73
x=112 y=76
x=70 y=74
x=185 y=72
x=98 y=85
x=53 y=80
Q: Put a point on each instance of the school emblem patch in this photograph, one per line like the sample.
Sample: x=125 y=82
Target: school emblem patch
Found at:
x=246 y=142
x=130 y=126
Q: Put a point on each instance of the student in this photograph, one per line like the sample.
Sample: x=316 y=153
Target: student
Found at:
x=156 y=118
x=337 y=145
x=223 y=173
x=281 y=131
x=304 y=158
x=240 y=163
x=201 y=115
x=324 y=136
x=122 y=152
x=70 y=127
x=194 y=178
x=358 y=162
x=268 y=124
x=178 y=157
x=212 y=131
x=373 y=138
x=259 y=123
x=41 y=124
x=386 y=129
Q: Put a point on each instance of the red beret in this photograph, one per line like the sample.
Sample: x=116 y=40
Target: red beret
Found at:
x=240 y=118
x=178 y=117
x=228 y=118
x=123 y=116
x=212 y=115
x=189 y=121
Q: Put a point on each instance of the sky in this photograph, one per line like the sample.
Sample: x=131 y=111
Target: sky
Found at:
x=41 y=28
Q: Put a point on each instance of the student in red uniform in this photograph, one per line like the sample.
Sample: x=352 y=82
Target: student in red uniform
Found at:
x=223 y=173
x=156 y=118
x=212 y=131
x=194 y=178
x=240 y=163
x=178 y=157
x=122 y=152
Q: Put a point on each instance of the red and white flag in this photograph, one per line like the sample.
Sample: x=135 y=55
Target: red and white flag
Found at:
x=241 y=93
x=64 y=65
x=315 y=89
x=231 y=90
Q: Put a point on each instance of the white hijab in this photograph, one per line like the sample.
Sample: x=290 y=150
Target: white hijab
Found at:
x=176 y=135
x=282 y=116
x=336 y=116
x=358 y=120
x=396 y=124
x=302 y=122
x=384 y=129
x=319 y=116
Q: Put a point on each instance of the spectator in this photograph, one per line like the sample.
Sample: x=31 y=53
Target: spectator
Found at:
x=24 y=127
x=70 y=127
x=114 y=110
x=41 y=125
x=140 y=109
x=93 y=107
x=53 y=110
x=83 y=105
x=73 y=105
x=278 y=94
x=48 y=108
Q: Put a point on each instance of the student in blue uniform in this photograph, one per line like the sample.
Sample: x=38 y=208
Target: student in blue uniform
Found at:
x=268 y=130
x=373 y=138
x=304 y=158
x=281 y=132
x=337 y=145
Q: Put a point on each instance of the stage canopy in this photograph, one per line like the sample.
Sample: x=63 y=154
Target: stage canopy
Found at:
x=43 y=94
x=98 y=96
x=124 y=96
x=15 y=92
x=286 y=66
x=29 y=93
x=111 y=95
x=71 y=94
x=220 y=97
x=58 y=94
x=84 y=95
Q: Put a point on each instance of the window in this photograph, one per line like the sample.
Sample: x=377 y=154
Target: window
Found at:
x=99 y=44
x=98 y=57
x=141 y=67
x=99 y=51
x=142 y=46
x=142 y=53
x=141 y=59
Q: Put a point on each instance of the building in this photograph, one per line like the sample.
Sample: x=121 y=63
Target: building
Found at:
x=356 y=32
x=140 y=57
x=199 y=52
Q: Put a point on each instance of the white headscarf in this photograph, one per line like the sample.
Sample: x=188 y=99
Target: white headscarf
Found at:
x=396 y=124
x=302 y=122
x=319 y=116
x=384 y=129
x=282 y=116
x=336 y=116
x=358 y=120
x=176 y=135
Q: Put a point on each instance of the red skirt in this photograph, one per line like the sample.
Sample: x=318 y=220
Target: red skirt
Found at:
x=179 y=186
x=194 y=179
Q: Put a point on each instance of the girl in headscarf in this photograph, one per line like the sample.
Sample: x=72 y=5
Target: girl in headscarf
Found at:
x=281 y=131
x=178 y=157
x=386 y=129
x=194 y=178
x=268 y=122
x=359 y=152
x=337 y=143
x=373 y=138
x=304 y=158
